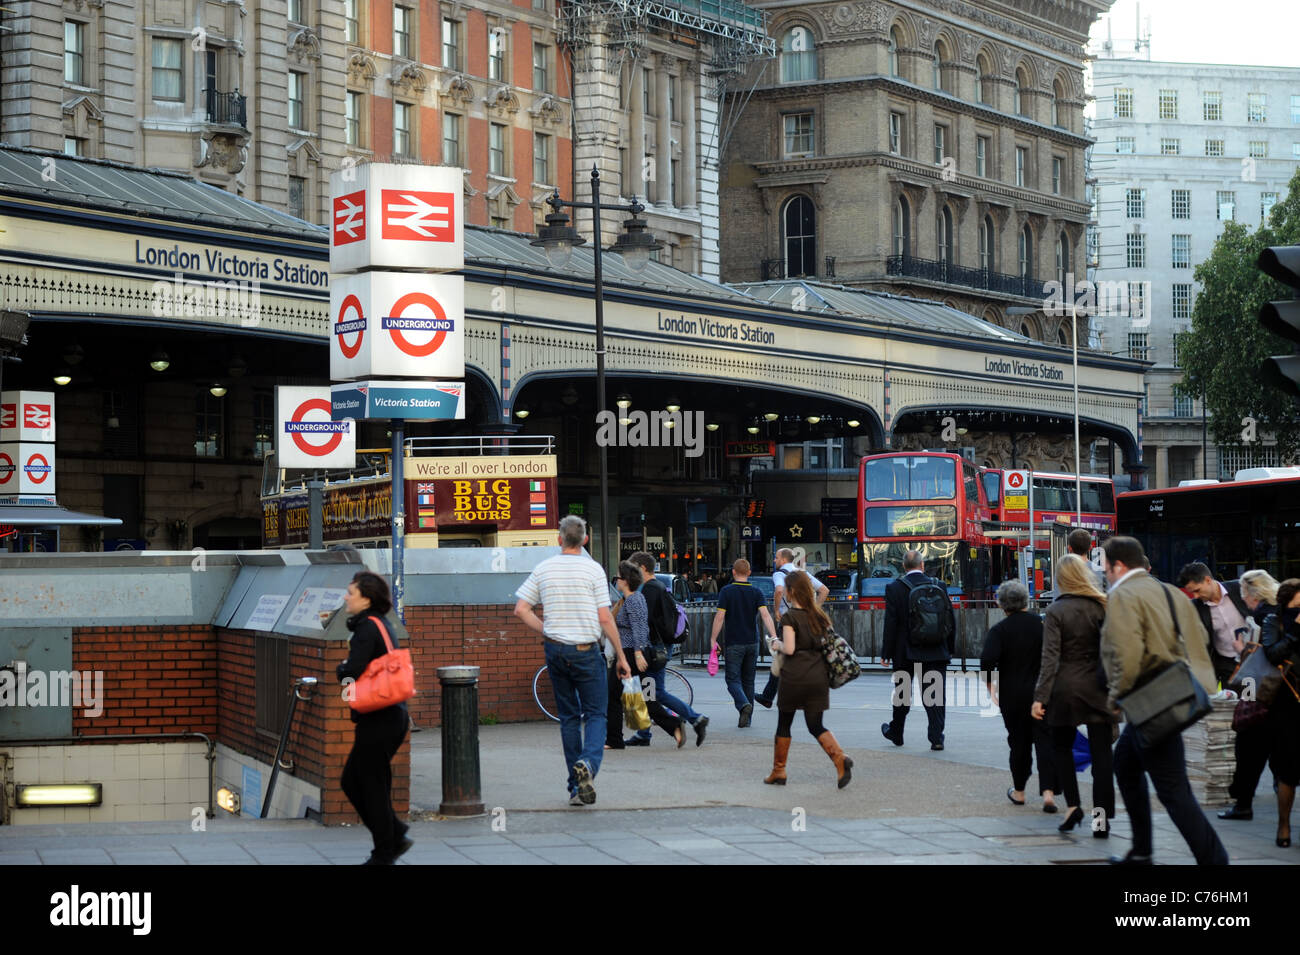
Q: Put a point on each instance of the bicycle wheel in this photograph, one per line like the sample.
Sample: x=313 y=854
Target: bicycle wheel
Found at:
x=544 y=694
x=675 y=684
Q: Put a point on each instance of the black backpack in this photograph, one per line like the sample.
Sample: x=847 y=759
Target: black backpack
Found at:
x=928 y=622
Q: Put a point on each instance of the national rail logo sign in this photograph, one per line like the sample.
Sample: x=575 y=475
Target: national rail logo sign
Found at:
x=397 y=324
x=307 y=436
x=27 y=416
x=389 y=216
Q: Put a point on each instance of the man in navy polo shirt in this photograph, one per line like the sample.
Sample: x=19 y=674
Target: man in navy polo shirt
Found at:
x=738 y=604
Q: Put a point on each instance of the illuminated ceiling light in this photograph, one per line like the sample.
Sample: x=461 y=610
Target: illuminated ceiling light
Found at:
x=771 y=416
x=853 y=422
x=218 y=390
x=624 y=401
x=712 y=426
x=625 y=421
x=228 y=800
x=813 y=419
x=673 y=405
x=62 y=375
x=752 y=429
x=522 y=412
x=64 y=794
x=159 y=361
x=670 y=424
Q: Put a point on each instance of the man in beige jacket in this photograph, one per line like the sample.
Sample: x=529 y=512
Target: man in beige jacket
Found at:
x=1140 y=636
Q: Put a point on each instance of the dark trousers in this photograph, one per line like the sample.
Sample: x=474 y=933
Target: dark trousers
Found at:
x=769 y=691
x=1251 y=749
x=1167 y=767
x=1103 y=774
x=1028 y=738
x=368 y=774
x=741 y=660
x=931 y=678
x=659 y=715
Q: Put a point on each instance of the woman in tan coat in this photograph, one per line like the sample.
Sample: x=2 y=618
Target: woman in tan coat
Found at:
x=1071 y=689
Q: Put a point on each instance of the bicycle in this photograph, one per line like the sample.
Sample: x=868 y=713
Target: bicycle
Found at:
x=675 y=684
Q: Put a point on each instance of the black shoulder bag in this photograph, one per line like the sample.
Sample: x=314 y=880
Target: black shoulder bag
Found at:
x=1169 y=700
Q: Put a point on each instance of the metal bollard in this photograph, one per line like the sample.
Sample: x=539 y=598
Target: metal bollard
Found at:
x=461 y=782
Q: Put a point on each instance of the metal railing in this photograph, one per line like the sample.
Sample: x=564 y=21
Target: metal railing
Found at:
x=772 y=269
x=938 y=271
x=227 y=109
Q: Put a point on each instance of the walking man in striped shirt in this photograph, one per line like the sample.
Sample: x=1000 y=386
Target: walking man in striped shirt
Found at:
x=574 y=595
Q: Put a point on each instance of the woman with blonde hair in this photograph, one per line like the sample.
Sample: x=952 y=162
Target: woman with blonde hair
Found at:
x=1071 y=689
x=805 y=680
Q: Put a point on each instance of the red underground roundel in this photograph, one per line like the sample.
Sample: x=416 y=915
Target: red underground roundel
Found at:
x=398 y=327
x=344 y=327
x=305 y=446
x=37 y=468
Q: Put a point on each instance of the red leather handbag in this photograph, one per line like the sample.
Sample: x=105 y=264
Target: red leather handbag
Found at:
x=388 y=680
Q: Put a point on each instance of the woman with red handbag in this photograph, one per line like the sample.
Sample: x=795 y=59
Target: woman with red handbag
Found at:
x=368 y=773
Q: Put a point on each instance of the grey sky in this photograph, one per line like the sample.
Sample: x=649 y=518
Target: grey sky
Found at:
x=1244 y=32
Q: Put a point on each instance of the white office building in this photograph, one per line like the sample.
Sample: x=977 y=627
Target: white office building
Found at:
x=1181 y=148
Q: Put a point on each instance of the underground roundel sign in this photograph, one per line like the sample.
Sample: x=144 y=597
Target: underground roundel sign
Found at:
x=37 y=468
x=306 y=436
x=397 y=325
x=7 y=471
x=350 y=320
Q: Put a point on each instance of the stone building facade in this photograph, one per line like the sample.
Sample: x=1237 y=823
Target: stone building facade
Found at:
x=933 y=148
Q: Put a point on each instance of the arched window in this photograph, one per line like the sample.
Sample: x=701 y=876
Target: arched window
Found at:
x=798 y=58
x=986 y=244
x=1061 y=336
x=943 y=235
x=902 y=228
x=940 y=54
x=895 y=42
x=983 y=76
x=1062 y=260
x=1026 y=330
x=799 y=236
x=1022 y=91
x=1058 y=105
x=1026 y=252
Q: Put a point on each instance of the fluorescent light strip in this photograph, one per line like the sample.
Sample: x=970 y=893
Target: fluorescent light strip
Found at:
x=69 y=794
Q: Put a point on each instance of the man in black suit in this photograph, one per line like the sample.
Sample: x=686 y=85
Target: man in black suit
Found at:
x=1223 y=614
x=913 y=659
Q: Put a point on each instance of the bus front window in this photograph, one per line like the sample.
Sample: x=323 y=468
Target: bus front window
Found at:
x=884 y=562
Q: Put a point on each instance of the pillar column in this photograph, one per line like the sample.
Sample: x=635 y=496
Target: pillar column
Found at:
x=663 y=136
x=636 y=97
x=689 y=134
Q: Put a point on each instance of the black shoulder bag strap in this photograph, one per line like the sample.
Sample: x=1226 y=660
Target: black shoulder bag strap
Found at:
x=1178 y=631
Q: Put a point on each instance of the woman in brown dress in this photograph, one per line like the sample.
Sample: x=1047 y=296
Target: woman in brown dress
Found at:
x=805 y=681
x=1071 y=690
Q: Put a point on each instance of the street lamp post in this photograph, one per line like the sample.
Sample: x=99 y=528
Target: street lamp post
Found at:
x=558 y=239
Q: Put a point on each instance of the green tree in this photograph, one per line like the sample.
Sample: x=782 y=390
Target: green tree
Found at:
x=1222 y=353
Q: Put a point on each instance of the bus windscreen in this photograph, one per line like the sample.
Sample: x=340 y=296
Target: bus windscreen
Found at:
x=907 y=478
x=935 y=521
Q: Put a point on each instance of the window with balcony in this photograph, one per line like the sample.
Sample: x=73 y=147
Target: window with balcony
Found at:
x=1168 y=100
x=1135 y=203
x=1257 y=107
x=896 y=133
x=799 y=237
x=450 y=44
x=541 y=67
x=402 y=21
x=1258 y=149
x=1225 y=203
x=542 y=159
x=1062 y=259
x=943 y=235
x=402 y=142
x=1181 y=201
x=986 y=244
x=497 y=54
x=982 y=156
x=902 y=231
x=1212 y=106
x=1135 y=244
x=168 y=76
x=1124 y=144
x=451 y=139
x=74 y=53
x=297 y=94
x=1182 y=251
x=1025 y=252
x=1124 y=103
x=798 y=134
x=1170 y=147
x=354 y=104
x=798 y=57
x=1022 y=163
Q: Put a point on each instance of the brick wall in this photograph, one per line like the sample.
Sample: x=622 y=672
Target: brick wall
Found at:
x=488 y=636
x=156 y=679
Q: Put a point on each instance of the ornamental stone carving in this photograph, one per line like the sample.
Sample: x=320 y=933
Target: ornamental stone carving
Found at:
x=849 y=18
x=502 y=100
x=303 y=45
x=361 y=69
x=547 y=110
x=459 y=90
x=222 y=151
x=925 y=34
x=410 y=79
x=966 y=43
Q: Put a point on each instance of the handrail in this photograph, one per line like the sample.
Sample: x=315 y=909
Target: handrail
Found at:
x=301 y=684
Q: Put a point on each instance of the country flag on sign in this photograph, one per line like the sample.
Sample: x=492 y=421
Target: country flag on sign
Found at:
x=426 y=499
x=426 y=512
x=424 y=489
x=539 y=522
x=536 y=486
x=537 y=497
x=537 y=508
x=428 y=522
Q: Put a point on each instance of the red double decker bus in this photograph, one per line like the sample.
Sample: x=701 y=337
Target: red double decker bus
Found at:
x=929 y=501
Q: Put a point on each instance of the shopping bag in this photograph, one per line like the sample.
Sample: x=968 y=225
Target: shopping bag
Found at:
x=635 y=711
x=713 y=661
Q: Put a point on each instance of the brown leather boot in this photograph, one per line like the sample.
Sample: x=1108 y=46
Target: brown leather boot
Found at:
x=779 y=753
x=843 y=765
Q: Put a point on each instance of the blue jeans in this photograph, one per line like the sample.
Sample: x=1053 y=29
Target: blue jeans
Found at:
x=581 y=696
x=680 y=707
x=741 y=660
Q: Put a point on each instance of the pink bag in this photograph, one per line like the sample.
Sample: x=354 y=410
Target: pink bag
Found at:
x=713 y=661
